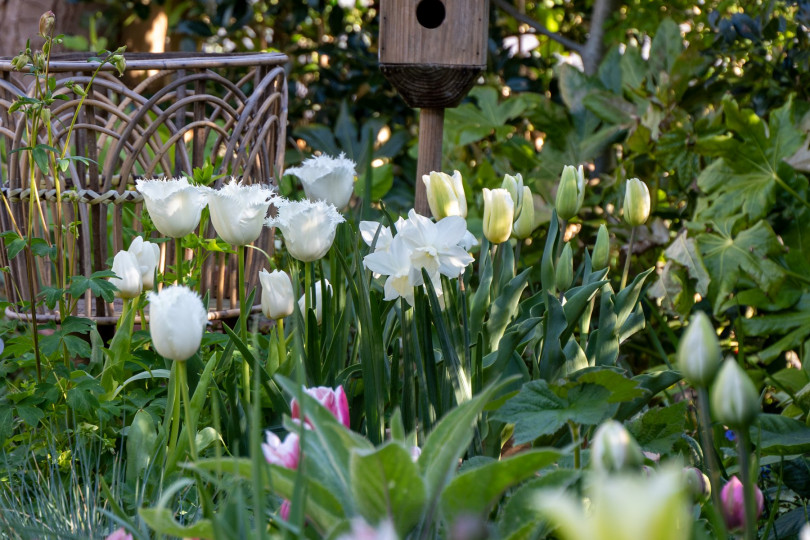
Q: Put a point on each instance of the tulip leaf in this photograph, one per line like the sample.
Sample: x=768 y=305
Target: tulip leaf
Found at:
x=480 y=300
x=140 y=445
x=162 y=521
x=505 y=308
x=449 y=439
x=477 y=490
x=322 y=506
x=386 y=483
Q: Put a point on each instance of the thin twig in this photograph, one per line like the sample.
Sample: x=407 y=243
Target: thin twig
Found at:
x=562 y=40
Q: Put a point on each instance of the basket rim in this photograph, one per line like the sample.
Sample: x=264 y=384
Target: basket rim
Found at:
x=78 y=62
x=213 y=315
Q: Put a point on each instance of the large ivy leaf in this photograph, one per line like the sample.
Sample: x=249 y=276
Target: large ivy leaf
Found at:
x=729 y=257
x=541 y=408
x=746 y=179
x=684 y=251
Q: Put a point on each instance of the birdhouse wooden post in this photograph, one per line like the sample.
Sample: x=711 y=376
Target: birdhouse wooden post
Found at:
x=432 y=51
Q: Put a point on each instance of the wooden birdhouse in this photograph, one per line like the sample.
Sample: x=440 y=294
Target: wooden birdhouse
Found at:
x=432 y=51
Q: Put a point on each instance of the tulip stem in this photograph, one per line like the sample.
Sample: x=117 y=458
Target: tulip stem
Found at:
x=629 y=256
x=744 y=461
x=178 y=260
x=707 y=440
x=574 y=428
x=243 y=313
x=518 y=246
x=174 y=400
x=282 y=344
x=182 y=383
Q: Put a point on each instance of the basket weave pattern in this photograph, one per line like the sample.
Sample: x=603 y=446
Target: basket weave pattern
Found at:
x=189 y=109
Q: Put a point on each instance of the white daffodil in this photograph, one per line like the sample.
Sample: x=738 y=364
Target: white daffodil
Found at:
x=396 y=263
x=173 y=204
x=327 y=179
x=238 y=211
x=308 y=228
x=435 y=246
x=177 y=322
x=368 y=230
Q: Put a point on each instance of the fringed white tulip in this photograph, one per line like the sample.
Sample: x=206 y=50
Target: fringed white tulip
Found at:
x=308 y=228
x=173 y=204
x=238 y=211
x=327 y=179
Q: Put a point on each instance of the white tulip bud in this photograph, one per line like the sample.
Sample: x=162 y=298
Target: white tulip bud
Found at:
x=148 y=255
x=699 y=353
x=570 y=192
x=514 y=185
x=277 y=294
x=735 y=400
x=318 y=300
x=128 y=282
x=177 y=320
x=524 y=224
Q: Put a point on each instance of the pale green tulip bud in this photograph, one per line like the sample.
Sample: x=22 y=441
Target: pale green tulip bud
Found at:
x=524 y=224
x=571 y=192
x=699 y=353
x=735 y=401
x=697 y=484
x=564 y=274
x=613 y=449
x=499 y=210
x=601 y=249
x=445 y=194
x=46 y=23
x=514 y=185
x=636 y=202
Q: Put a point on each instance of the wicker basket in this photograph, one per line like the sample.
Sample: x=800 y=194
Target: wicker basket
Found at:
x=190 y=109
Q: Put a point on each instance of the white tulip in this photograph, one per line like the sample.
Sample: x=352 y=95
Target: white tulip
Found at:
x=499 y=212
x=128 y=282
x=445 y=194
x=277 y=294
x=174 y=205
x=238 y=211
x=308 y=228
x=327 y=179
x=302 y=302
x=177 y=320
x=148 y=255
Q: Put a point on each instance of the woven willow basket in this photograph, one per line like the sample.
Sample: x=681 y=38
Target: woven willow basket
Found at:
x=189 y=110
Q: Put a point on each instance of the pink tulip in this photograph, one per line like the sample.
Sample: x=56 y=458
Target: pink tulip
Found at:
x=285 y=454
x=120 y=534
x=335 y=402
x=284 y=511
x=734 y=505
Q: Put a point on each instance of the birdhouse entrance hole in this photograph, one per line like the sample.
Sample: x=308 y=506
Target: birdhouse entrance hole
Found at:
x=430 y=13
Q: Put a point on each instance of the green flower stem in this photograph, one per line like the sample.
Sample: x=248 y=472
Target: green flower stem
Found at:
x=707 y=441
x=243 y=314
x=744 y=461
x=282 y=344
x=307 y=289
x=191 y=429
x=629 y=256
x=518 y=247
x=178 y=260
x=561 y=241
x=174 y=403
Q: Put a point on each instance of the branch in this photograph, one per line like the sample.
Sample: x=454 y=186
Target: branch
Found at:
x=594 y=48
x=562 y=40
